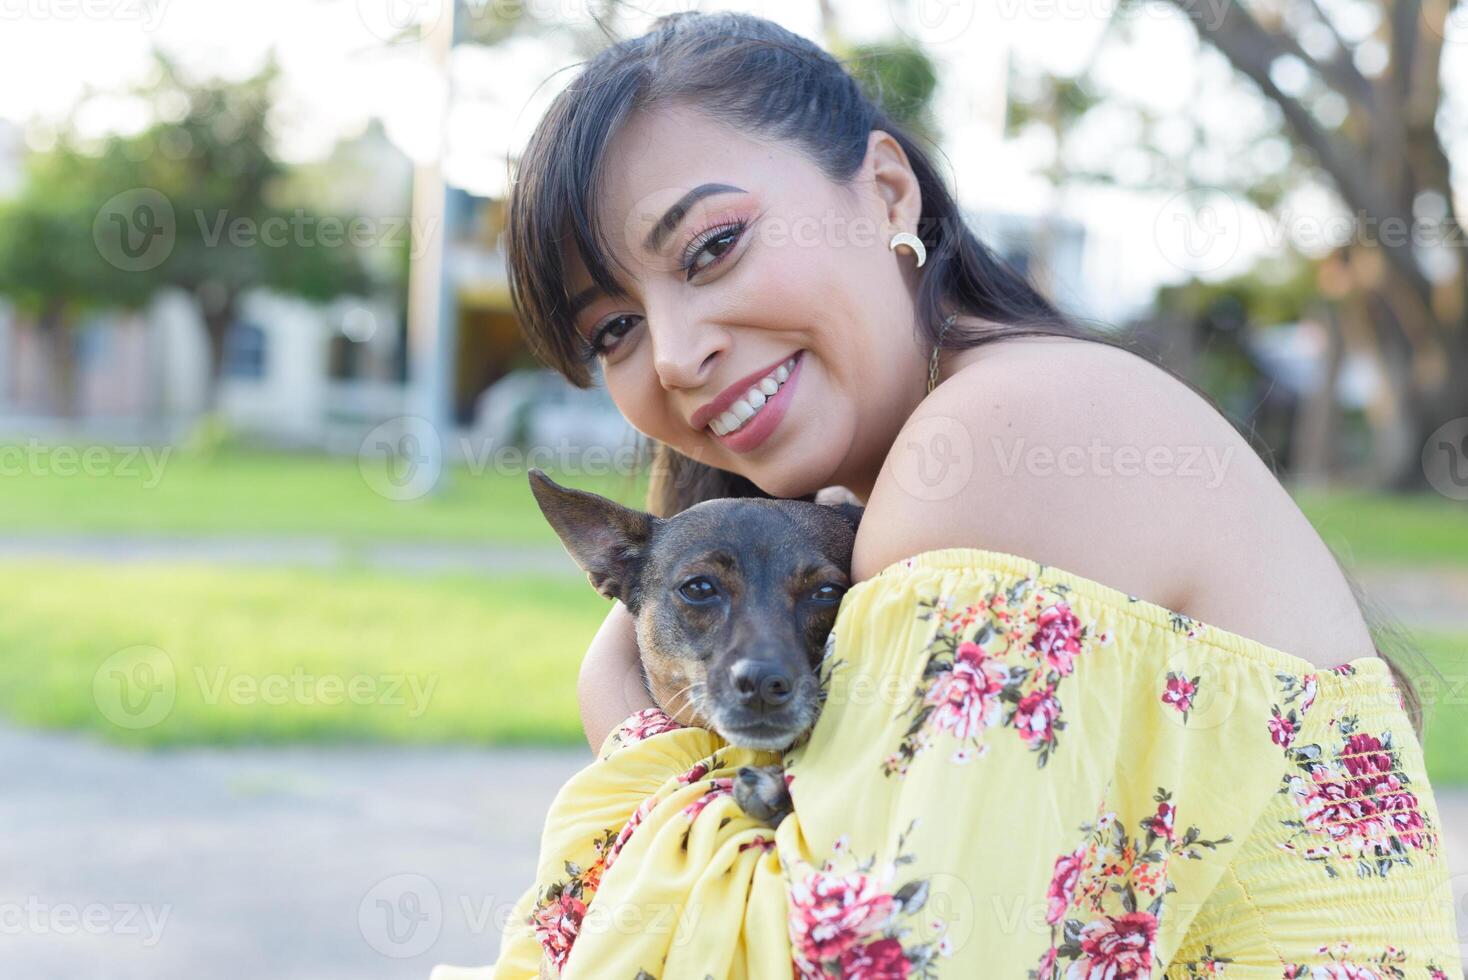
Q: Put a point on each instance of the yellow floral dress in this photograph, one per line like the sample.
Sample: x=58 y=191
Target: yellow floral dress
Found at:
x=1017 y=772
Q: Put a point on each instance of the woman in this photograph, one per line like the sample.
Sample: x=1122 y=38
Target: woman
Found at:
x=1035 y=759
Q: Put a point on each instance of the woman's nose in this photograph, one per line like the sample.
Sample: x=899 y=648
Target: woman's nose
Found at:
x=684 y=353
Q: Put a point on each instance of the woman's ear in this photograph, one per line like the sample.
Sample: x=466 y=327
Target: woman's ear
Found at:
x=895 y=181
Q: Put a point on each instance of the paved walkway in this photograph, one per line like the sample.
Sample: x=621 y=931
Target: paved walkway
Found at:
x=320 y=863
x=316 y=552
x=315 y=864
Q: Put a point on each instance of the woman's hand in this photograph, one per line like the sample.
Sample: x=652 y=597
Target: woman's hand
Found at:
x=609 y=687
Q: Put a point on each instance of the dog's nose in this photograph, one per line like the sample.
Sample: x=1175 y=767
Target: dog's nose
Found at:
x=761 y=683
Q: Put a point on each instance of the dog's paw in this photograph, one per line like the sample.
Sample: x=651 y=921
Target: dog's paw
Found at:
x=761 y=792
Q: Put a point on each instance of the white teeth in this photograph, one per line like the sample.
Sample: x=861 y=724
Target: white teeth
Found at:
x=752 y=400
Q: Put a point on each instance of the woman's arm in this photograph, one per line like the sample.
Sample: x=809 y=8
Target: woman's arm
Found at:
x=609 y=688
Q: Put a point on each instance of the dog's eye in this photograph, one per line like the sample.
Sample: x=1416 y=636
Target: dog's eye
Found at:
x=827 y=593
x=698 y=589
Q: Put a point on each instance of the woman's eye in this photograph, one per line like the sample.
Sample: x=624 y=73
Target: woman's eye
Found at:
x=827 y=593
x=717 y=243
x=615 y=327
x=698 y=589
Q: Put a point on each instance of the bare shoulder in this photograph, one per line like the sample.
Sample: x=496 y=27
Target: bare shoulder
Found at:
x=1037 y=447
x=1090 y=458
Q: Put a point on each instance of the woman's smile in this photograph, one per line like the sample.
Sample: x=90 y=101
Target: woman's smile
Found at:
x=754 y=414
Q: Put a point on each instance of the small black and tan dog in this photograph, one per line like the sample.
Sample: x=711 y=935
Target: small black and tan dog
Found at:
x=733 y=599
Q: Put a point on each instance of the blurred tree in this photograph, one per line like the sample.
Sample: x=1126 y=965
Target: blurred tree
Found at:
x=899 y=77
x=202 y=188
x=50 y=268
x=1359 y=90
x=1351 y=102
x=211 y=155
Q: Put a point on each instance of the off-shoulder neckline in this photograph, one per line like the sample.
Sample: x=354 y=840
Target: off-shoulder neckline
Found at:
x=1364 y=668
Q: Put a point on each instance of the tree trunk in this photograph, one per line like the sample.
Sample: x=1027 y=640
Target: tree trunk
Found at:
x=59 y=343
x=218 y=317
x=1315 y=422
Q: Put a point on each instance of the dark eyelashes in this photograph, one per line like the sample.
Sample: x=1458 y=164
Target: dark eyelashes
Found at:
x=591 y=349
x=699 y=243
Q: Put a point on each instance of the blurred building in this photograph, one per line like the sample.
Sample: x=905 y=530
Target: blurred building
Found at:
x=12 y=146
x=293 y=372
x=305 y=374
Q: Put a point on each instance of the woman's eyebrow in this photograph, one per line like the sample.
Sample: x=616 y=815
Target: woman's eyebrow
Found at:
x=676 y=213
x=665 y=226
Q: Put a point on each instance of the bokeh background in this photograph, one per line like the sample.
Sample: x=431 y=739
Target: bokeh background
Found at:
x=287 y=653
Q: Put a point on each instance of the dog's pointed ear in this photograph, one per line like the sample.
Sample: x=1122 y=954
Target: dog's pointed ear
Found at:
x=852 y=513
x=610 y=542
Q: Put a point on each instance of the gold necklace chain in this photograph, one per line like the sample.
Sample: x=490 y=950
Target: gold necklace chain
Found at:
x=933 y=363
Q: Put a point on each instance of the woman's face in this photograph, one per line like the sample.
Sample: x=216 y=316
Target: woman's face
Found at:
x=771 y=261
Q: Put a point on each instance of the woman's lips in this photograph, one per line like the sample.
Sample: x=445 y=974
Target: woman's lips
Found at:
x=763 y=424
x=731 y=394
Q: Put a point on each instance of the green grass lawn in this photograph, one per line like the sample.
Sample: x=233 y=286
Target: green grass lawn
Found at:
x=292 y=655
x=238 y=491
x=1366 y=528
x=1447 y=700
x=267 y=655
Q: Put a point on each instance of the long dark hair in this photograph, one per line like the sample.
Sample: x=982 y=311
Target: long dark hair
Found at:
x=752 y=74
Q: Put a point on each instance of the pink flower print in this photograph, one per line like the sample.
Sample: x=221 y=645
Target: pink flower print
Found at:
x=1179 y=692
x=556 y=926
x=699 y=770
x=1116 y=949
x=623 y=836
x=831 y=913
x=1283 y=728
x=1058 y=637
x=1307 y=697
x=966 y=698
x=1036 y=714
x=1161 y=823
x=880 y=960
x=647 y=723
x=1365 y=756
x=1063 y=885
x=723 y=786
